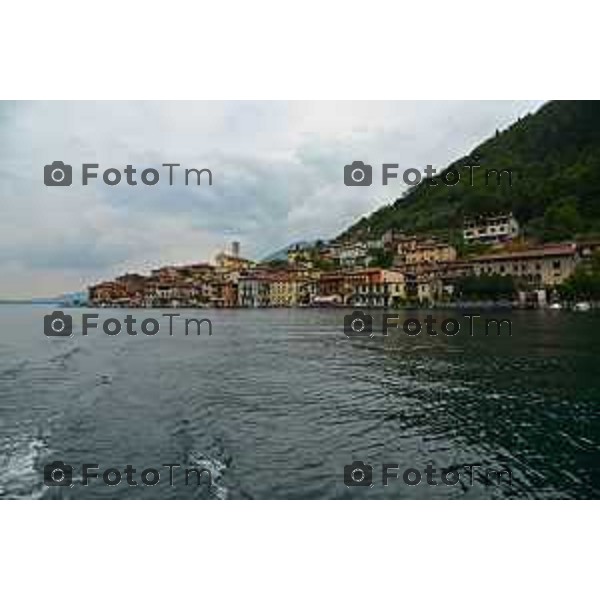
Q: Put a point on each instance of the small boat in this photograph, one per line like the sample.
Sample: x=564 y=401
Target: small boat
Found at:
x=555 y=306
x=582 y=306
x=326 y=301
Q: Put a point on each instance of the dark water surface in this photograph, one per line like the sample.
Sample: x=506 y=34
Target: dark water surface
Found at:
x=276 y=402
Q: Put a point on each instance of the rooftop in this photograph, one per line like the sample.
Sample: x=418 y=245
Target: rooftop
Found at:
x=539 y=252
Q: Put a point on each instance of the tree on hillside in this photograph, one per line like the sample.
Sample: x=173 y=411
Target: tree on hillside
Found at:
x=381 y=258
x=555 y=157
x=562 y=219
x=584 y=283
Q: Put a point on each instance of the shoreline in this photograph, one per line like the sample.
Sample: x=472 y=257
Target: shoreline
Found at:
x=503 y=306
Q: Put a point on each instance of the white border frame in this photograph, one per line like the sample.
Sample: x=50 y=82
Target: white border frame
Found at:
x=311 y=50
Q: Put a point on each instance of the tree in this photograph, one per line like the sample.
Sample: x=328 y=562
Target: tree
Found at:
x=584 y=283
x=555 y=155
x=562 y=219
x=381 y=258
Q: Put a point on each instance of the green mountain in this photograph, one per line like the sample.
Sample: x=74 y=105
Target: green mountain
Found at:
x=554 y=158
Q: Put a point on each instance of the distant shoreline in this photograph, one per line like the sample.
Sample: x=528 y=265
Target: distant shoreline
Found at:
x=473 y=305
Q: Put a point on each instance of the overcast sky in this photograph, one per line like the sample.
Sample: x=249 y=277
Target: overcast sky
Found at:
x=277 y=178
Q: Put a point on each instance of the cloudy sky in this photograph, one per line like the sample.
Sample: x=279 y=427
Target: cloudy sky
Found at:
x=277 y=178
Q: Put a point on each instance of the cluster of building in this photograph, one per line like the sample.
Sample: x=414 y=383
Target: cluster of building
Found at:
x=422 y=270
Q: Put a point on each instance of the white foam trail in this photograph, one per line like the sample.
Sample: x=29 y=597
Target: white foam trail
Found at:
x=19 y=474
x=217 y=470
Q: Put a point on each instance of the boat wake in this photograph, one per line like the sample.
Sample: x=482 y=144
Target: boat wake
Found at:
x=216 y=466
x=21 y=470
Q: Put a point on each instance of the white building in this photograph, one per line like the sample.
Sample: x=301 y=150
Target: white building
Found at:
x=353 y=255
x=490 y=229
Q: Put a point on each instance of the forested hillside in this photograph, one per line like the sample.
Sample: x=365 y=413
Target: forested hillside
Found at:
x=554 y=155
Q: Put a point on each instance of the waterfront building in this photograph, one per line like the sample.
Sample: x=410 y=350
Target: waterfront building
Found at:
x=172 y=294
x=308 y=288
x=280 y=289
x=426 y=287
x=224 y=293
x=370 y=287
x=544 y=266
x=431 y=281
x=107 y=293
x=334 y=285
x=283 y=289
x=254 y=290
x=376 y=287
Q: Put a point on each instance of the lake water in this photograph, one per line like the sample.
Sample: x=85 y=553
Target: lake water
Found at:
x=275 y=403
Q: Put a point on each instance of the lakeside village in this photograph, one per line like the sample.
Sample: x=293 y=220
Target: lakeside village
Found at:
x=496 y=266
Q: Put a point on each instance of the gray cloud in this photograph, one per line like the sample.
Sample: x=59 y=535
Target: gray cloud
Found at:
x=277 y=177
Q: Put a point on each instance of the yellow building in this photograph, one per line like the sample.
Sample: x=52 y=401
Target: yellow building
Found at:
x=286 y=289
x=230 y=262
x=430 y=253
